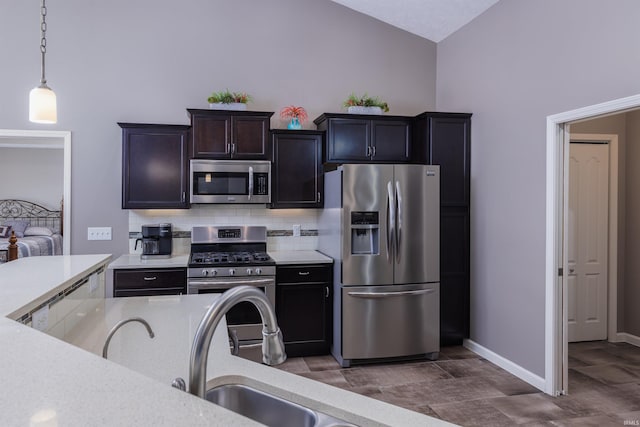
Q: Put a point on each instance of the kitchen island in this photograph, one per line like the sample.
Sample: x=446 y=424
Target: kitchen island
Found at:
x=49 y=382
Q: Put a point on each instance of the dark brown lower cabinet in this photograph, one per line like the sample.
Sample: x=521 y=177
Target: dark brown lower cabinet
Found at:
x=304 y=308
x=149 y=281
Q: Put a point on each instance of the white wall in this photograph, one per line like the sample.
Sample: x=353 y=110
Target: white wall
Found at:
x=513 y=66
x=147 y=61
x=32 y=174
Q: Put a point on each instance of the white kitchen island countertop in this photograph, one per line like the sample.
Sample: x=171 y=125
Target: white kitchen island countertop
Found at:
x=48 y=382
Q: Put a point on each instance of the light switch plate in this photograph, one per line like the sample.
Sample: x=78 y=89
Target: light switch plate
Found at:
x=99 y=233
x=93 y=283
x=296 y=230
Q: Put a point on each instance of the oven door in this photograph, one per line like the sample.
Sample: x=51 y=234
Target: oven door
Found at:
x=244 y=317
x=221 y=181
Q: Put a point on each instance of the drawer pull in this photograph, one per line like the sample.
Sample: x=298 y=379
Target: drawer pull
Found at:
x=303 y=273
x=150 y=278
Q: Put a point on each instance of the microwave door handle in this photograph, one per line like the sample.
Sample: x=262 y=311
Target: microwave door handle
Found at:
x=250 y=182
x=398 y=221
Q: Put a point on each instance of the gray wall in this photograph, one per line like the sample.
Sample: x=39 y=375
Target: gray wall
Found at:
x=32 y=174
x=615 y=124
x=632 y=247
x=513 y=66
x=147 y=61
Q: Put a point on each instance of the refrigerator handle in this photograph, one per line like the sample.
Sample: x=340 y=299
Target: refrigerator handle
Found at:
x=398 y=221
x=250 y=183
x=391 y=221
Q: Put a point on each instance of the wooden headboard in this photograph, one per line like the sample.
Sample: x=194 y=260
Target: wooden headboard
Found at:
x=37 y=215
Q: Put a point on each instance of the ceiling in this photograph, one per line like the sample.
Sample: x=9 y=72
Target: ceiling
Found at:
x=431 y=19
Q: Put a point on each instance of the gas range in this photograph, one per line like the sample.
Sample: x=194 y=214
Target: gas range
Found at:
x=229 y=251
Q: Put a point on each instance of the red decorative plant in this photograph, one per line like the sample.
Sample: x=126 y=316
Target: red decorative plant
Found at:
x=292 y=111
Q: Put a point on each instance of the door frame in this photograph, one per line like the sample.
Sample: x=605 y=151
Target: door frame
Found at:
x=557 y=140
x=48 y=139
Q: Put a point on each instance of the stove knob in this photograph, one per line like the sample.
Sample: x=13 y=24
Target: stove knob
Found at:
x=258 y=270
x=205 y=273
x=249 y=272
x=232 y=272
x=214 y=272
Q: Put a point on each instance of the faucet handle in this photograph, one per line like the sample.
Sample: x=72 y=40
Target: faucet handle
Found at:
x=180 y=384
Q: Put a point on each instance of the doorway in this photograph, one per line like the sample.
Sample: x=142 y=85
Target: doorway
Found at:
x=556 y=270
x=46 y=139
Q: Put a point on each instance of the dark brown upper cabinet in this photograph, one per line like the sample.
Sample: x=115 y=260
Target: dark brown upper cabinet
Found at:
x=297 y=180
x=220 y=134
x=445 y=139
x=155 y=165
x=356 y=138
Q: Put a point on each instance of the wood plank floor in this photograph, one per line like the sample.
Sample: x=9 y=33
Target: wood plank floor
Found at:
x=465 y=389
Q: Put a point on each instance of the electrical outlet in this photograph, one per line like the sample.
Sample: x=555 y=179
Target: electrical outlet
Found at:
x=93 y=283
x=296 y=230
x=40 y=318
x=99 y=233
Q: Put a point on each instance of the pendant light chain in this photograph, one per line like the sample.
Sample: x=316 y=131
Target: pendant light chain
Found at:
x=43 y=38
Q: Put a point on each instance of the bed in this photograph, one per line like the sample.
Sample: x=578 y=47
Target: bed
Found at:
x=39 y=230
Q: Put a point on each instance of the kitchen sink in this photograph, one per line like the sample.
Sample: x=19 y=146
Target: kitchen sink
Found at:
x=268 y=409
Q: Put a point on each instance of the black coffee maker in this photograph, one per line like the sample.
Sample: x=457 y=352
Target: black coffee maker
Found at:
x=156 y=241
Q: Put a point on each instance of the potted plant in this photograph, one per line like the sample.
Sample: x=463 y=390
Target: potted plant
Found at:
x=295 y=115
x=365 y=104
x=225 y=100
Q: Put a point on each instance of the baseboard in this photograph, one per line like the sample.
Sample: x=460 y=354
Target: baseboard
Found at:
x=514 y=369
x=628 y=338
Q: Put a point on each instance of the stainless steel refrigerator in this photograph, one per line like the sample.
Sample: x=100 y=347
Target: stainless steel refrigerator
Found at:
x=381 y=225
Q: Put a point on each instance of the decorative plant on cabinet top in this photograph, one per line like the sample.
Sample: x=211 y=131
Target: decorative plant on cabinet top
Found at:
x=225 y=100
x=365 y=104
x=296 y=116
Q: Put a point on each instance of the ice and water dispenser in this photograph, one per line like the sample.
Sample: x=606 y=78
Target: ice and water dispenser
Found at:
x=365 y=233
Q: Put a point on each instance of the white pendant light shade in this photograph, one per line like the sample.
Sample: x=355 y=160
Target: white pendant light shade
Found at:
x=42 y=105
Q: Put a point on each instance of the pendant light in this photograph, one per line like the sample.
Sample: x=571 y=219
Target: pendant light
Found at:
x=42 y=100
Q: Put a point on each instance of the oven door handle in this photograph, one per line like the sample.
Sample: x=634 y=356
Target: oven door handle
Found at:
x=221 y=284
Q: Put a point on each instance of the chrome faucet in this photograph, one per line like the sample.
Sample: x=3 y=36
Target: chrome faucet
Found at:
x=272 y=345
x=118 y=325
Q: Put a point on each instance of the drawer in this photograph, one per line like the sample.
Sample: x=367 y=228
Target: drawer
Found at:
x=150 y=278
x=303 y=273
x=147 y=292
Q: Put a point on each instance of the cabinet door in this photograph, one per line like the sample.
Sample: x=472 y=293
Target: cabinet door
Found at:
x=454 y=276
x=390 y=141
x=297 y=169
x=304 y=308
x=303 y=317
x=249 y=137
x=449 y=148
x=348 y=140
x=154 y=167
x=211 y=136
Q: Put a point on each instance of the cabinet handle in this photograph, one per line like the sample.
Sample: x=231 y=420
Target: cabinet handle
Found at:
x=326 y=292
x=233 y=148
x=303 y=273
x=227 y=148
x=150 y=278
x=374 y=151
x=318 y=200
x=368 y=151
x=183 y=196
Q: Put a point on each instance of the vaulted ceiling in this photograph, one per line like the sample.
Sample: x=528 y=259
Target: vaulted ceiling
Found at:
x=431 y=19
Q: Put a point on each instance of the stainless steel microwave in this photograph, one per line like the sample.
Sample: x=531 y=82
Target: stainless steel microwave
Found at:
x=230 y=181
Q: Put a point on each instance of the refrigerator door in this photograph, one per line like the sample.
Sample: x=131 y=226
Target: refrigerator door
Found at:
x=417 y=194
x=366 y=221
x=390 y=321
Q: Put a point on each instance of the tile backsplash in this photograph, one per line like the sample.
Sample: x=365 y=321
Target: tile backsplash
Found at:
x=279 y=223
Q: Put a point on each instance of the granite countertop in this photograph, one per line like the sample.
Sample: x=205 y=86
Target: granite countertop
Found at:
x=66 y=385
x=130 y=261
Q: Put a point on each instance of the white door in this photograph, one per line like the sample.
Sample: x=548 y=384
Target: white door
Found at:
x=588 y=241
